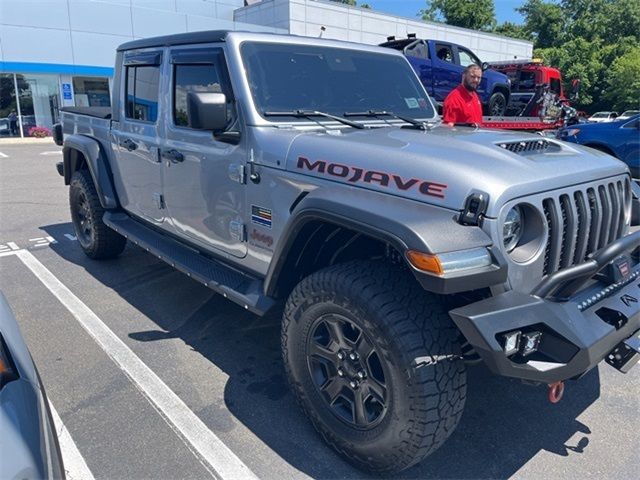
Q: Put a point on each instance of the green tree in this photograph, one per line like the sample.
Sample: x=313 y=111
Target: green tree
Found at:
x=544 y=21
x=474 y=14
x=623 y=81
x=509 y=29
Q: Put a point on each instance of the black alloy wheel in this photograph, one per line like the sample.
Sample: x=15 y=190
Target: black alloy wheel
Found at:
x=96 y=239
x=347 y=371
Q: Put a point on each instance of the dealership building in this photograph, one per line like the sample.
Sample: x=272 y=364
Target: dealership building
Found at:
x=57 y=53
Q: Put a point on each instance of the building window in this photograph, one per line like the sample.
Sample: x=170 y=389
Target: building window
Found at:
x=142 y=93
x=26 y=102
x=91 y=92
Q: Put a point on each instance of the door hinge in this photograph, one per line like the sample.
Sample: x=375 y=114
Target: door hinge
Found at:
x=237 y=231
x=158 y=199
x=237 y=173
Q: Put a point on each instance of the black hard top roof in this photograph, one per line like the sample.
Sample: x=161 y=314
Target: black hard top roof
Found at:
x=209 y=36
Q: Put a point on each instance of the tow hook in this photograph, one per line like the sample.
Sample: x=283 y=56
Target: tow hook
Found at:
x=556 y=390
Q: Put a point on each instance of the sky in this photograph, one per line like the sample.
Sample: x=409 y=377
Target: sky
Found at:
x=409 y=8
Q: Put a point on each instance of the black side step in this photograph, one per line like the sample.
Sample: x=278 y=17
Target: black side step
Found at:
x=239 y=287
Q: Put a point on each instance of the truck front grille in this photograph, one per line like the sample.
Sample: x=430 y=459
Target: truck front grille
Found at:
x=583 y=222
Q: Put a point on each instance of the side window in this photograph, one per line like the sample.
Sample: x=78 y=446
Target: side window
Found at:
x=467 y=58
x=192 y=78
x=142 y=92
x=633 y=124
x=554 y=84
x=419 y=50
x=444 y=53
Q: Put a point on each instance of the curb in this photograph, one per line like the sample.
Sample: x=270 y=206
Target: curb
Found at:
x=27 y=141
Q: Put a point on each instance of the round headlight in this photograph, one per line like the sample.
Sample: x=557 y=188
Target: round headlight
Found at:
x=512 y=228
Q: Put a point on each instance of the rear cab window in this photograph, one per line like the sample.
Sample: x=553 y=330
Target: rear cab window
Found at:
x=142 y=79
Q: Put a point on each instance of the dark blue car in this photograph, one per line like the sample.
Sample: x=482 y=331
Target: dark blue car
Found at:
x=620 y=139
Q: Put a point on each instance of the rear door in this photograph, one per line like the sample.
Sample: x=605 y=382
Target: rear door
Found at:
x=203 y=189
x=418 y=55
x=446 y=74
x=135 y=137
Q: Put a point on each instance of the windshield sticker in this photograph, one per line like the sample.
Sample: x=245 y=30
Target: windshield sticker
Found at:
x=261 y=216
x=359 y=175
x=412 y=102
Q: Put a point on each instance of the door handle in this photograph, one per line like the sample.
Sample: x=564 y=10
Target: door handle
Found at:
x=129 y=144
x=174 y=155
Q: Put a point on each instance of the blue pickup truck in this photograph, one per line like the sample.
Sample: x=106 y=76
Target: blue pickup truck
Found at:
x=440 y=64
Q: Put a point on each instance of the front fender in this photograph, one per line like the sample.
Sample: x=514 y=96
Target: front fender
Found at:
x=404 y=224
x=97 y=163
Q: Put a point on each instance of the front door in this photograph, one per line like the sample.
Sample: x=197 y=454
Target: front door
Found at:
x=203 y=190
x=135 y=137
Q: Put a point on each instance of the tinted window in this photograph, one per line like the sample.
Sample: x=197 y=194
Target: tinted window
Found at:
x=419 y=50
x=332 y=80
x=142 y=92
x=467 y=58
x=555 y=86
x=192 y=78
x=444 y=53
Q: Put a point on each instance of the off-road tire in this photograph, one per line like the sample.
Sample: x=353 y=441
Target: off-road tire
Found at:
x=417 y=344
x=497 y=105
x=96 y=239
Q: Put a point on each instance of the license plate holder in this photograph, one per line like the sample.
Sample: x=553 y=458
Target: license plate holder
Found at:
x=626 y=354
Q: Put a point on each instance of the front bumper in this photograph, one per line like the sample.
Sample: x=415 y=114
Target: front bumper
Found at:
x=580 y=325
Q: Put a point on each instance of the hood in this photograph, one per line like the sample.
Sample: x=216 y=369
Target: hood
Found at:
x=444 y=165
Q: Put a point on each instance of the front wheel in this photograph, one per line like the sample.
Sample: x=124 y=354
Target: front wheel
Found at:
x=97 y=240
x=497 y=104
x=375 y=363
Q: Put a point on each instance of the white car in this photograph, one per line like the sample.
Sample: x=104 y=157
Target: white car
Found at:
x=599 y=117
x=628 y=114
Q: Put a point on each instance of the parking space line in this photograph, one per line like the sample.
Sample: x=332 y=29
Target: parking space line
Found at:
x=212 y=452
x=74 y=465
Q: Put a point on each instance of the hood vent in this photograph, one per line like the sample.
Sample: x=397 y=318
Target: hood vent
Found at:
x=524 y=147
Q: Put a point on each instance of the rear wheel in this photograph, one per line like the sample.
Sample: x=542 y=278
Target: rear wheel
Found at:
x=97 y=240
x=374 y=361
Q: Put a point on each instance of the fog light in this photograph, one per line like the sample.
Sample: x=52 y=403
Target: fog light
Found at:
x=530 y=342
x=511 y=342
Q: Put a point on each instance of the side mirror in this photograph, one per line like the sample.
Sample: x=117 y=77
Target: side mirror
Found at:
x=207 y=111
x=484 y=66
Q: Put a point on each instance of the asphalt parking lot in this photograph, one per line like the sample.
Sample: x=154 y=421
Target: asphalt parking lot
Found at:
x=155 y=376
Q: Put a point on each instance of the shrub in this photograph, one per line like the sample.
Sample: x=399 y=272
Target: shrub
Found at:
x=39 y=132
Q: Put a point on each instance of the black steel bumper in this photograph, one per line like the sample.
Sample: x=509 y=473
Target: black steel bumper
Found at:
x=584 y=313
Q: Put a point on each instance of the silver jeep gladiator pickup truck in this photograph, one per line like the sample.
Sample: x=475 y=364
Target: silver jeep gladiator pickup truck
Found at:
x=315 y=175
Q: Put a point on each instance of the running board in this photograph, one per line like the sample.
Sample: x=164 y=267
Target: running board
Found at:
x=243 y=289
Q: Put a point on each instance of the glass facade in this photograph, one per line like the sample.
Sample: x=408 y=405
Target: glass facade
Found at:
x=30 y=103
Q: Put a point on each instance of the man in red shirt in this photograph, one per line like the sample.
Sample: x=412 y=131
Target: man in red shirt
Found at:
x=462 y=105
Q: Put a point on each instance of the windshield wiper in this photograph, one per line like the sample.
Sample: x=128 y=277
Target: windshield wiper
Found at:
x=314 y=113
x=380 y=113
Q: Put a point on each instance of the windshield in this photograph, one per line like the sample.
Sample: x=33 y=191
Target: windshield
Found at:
x=601 y=115
x=285 y=77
